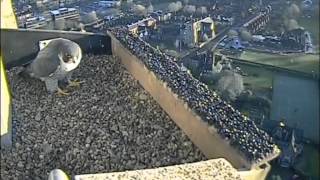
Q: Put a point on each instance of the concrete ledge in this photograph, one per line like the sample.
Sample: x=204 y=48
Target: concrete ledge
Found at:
x=211 y=169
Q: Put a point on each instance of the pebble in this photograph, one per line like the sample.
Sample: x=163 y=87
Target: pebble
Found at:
x=143 y=97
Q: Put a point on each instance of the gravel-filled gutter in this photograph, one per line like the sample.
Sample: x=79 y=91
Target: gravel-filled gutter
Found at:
x=108 y=124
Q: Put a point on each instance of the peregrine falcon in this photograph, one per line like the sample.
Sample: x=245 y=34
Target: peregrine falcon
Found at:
x=55 y=63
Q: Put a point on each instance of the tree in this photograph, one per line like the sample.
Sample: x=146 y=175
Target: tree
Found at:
x=71 y=24
x=89 y=17
x=139 y=10
x=179 y=4
x=232 y=33
x=50 y=25
x=175 y=6
x=81 y=27
x=150 y=8
x=245 y=35
x=291 y=24
x=293 y=11
x=230 y=85
x=189 y=9
x=125 y=6
x=60 y=24
x=172 y=7
x=202 y=10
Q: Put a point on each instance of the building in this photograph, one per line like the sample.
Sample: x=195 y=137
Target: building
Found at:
x=307 y=4
x=197 y=33
x=110 y=3
x=226 y=21
x=139 y=26
x=186 y=34
x=161 y=16
x=94 y=26
x=258 y=22
x=23 y=15
x=47 y=3
x=65 y=13
x=35 y=23
x=62 y=3
x=23 y=11
x=297 y=39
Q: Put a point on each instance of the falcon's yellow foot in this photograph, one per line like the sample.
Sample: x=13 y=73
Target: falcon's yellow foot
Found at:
x=75 y=83
x=62 y=93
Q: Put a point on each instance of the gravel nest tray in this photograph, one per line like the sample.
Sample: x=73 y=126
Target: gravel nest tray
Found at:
x=110 y=123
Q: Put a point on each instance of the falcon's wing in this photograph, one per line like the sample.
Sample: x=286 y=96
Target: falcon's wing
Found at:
x=46 y=62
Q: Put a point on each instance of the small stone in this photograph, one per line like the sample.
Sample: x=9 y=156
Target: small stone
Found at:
x=88 y=140
x=41 y=156
x=143 y=97
x=20 y=164
x=38 y=116
x=125 y=133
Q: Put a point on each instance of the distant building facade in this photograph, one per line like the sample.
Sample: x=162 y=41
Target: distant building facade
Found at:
x=297 y=39
x=35 y=23
x=197 y=33
x=110 y=3
x=187 y=34
x=64 y=13
x=94 y=26
x=138 y=27
x=161 y=16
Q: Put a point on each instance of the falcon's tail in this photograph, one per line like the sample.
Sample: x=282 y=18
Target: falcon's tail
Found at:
x=25 y=73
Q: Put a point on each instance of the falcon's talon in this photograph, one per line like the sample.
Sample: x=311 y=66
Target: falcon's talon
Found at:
x=75 y=83
x=62 y=93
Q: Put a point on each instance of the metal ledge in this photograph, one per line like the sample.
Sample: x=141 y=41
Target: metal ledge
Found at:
x=20 y=46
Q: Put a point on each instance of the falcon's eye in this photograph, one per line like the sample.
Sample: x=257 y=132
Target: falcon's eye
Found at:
x=67 y=58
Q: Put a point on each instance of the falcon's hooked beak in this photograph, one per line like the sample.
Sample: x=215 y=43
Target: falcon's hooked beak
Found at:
x=69 y=59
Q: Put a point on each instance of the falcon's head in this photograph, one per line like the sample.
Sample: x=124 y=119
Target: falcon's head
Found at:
x=70 y=55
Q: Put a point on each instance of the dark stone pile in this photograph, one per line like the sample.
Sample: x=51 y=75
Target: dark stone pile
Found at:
x=241 y=132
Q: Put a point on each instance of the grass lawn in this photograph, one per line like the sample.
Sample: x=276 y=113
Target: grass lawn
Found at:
x=305 y=62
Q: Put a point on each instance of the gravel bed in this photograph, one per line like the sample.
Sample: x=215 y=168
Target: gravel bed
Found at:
x=108 y=124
